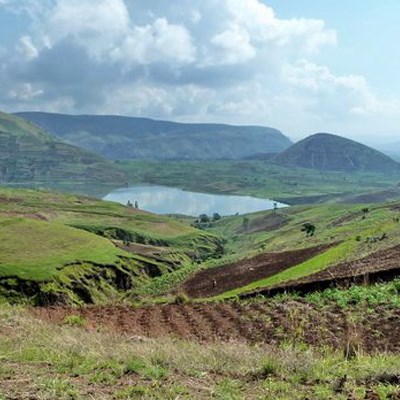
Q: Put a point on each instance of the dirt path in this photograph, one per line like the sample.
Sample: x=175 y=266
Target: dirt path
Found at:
x=214 y=281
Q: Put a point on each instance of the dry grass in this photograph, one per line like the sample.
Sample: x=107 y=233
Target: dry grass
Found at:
x=42 y=361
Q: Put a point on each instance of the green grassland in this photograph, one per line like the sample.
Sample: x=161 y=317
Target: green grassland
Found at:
x=68 y=248
x=61 y=242
x=265 y=180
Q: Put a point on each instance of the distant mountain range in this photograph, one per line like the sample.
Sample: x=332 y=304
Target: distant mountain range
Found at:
x=29 y=154
x=125 y=138
x=324 y=151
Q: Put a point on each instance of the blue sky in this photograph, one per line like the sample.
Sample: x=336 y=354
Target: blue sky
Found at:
x=300 y=66
x=368 y=32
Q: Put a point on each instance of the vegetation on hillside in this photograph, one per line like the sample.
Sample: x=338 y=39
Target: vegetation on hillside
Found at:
x=66 y=248
x=328 y=152
x=117 y=137
x=30 y=156
x=264 y=179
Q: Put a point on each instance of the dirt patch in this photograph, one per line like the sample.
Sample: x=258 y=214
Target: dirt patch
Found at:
x=5 y=200
x=38 y=217
x=142 y=249
x=379 y=266
x=214 y=281
x=373 y=197
x=258 y=321
x=267 y=223
x=346 y=218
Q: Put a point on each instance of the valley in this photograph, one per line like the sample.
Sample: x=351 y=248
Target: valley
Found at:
x=212 y=273
x=199 y=200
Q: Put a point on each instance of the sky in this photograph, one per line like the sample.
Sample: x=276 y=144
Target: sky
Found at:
x=299 y=66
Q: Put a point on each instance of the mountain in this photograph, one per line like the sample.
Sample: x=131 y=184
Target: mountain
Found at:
x=325 y=151
x=116 y=137
x=30 y=155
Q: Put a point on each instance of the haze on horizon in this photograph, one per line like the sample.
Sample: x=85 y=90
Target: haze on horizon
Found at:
x=301 y=67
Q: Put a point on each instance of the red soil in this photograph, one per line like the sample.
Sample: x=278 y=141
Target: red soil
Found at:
x=252 y=322
x=214 y=281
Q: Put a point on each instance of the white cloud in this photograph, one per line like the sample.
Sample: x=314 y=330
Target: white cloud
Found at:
x=158 y=42
x=233 y=61
x=96 y=26
x=351 y=91
x=232 y=46
x=27 y=48
x=24 y=92
x=263 y=25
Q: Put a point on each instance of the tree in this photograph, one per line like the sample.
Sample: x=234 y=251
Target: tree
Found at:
x=309 y=229
x=204 y=218
x=216 y=217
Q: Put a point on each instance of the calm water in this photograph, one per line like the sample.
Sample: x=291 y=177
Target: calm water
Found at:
x=166 y=200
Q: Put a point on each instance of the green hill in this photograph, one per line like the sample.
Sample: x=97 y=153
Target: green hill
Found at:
x=324 y=151
x=28 y=155
x=71 y=249
x=116 y=137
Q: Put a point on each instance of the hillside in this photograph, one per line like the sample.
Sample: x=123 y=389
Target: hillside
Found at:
x=71 y=249
x=327 y=152
x=117 y=138
x=270 y=252
x=28 y=155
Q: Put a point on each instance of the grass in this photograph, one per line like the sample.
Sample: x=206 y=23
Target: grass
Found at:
x=36 y=250
x=259 y=179
x=54 y=245
x=68 y=362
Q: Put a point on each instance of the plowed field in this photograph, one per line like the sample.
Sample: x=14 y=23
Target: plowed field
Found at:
x=382 y=265
x=252 y=322
x=214 y=281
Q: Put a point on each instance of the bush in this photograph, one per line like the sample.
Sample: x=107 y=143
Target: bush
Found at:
x=74 y=320
x=182 y=298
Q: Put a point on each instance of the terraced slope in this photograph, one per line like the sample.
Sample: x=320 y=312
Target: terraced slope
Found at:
x=71 y=249
x=28 y=155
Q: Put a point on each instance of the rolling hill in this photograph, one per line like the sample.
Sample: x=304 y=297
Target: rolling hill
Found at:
x=116 y=137
x=324 y=151
x=28 y=155
x=70 y=249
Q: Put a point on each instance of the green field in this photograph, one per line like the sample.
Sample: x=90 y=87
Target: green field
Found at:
x=74 y=249
x=262 y=179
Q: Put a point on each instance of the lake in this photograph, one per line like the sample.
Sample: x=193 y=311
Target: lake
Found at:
x=166 y=200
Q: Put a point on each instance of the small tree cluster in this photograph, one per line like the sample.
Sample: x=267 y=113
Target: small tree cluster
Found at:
x=308 y=228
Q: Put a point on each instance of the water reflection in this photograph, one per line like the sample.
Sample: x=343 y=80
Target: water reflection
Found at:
x=166 y=200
